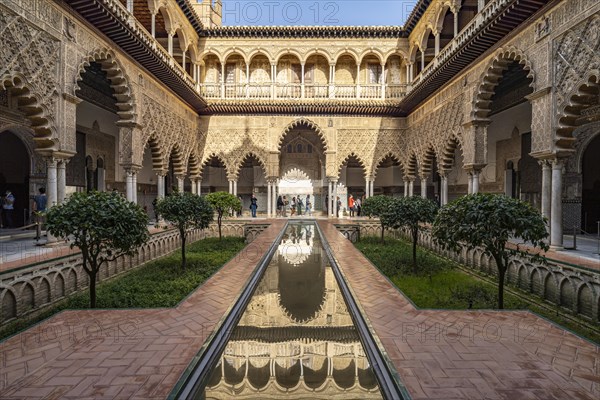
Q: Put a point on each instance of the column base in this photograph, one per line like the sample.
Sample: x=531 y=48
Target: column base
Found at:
x=556 y=247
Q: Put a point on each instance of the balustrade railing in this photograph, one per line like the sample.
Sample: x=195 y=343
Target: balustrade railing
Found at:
x=298 y=91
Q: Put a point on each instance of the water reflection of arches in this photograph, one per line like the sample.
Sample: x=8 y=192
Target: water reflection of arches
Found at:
x=302 y=366
x=301 y=274
x=296 y=336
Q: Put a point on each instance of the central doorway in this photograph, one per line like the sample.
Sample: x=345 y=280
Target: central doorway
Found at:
x=302 y=166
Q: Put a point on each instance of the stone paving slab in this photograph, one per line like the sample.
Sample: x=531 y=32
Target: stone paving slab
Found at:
x=469 y=354
x=137 y=354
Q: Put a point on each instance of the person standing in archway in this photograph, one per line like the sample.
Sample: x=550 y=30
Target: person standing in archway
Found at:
x=308 y=210
x=351 y=205
x=279 y=206
x=293 y=206
x=299 y=204
x=40 y=202
x=8 y=206
x=286 y=203
x=253 y=205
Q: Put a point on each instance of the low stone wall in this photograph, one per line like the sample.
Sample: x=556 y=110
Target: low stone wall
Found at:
x=574 y=288
x=31 y=288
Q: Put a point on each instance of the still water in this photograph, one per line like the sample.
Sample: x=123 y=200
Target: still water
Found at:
x=296 y=338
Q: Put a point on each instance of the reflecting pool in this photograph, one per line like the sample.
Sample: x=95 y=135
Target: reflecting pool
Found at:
x=296 y=338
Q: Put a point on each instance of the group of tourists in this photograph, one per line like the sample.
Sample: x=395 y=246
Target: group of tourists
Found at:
x=39 y=204
x=300 y=205
x=297 y=206
x=354 y=206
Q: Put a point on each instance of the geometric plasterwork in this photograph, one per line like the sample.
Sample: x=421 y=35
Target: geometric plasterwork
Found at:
x=29 y=60
x=369 y=146
x=577 y=66
x=168 y=133
x=433 y=132
x=233 y=146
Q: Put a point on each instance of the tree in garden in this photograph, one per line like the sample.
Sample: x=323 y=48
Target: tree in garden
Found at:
x=489 y=221
x=185 y=211
x=381 y=207
x=223 y=202
x=103 y=225
x=410 y=213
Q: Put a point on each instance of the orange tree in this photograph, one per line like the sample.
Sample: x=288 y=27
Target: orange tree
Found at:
x=489 y=221
x=185 y=211
x=222 y=203
x=103 y=225
x=381 y=207
x=409 y=213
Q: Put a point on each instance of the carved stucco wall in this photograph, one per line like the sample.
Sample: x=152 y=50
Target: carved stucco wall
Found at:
x=46 y=49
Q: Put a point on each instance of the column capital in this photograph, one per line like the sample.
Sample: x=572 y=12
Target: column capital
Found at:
x=558 y=163
x=474 y=168
x=160 y=172
x=443 y=173
x=131 y=168
x=545 y=164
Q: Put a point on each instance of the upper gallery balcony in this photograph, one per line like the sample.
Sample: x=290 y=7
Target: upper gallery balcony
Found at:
x=238 y=76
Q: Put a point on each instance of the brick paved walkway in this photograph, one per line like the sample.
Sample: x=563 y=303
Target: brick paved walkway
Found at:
x=141 y=354
x=138 y=354
x=469 y=355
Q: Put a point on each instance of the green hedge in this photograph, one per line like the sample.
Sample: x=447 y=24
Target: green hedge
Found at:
x=440 y=284
x=159 y=283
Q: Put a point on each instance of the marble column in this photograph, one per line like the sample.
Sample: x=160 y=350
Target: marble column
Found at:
x=335 y=206
x=51 y=182
x=455 y=24
x=160 y=185
x=405 y=188
x=424 y=187
x=367 y=189
x=274 y=199
x=372 y=187
x=444 y=189
x=194 y=190
x=199 y=187
x=230 y=187
x=476 y=174
x=129 y=185
x=61 y=181
x=469 y=182
x=411 y=188
x=556 y=222
x=330 y=197
x=546 y=190
x=134 y=186
x=269 y=194
x=235 y=188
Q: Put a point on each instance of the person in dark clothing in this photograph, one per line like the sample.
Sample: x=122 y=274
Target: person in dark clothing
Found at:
x=253 y=205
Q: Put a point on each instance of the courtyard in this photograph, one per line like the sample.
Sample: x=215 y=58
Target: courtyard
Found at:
x=197 y=205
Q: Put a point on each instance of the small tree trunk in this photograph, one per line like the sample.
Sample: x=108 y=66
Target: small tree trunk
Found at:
x=501 y=272
x=92 y=276
x=219 y=218
x=415 y=234
x=382 y=233
x=183 y=263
